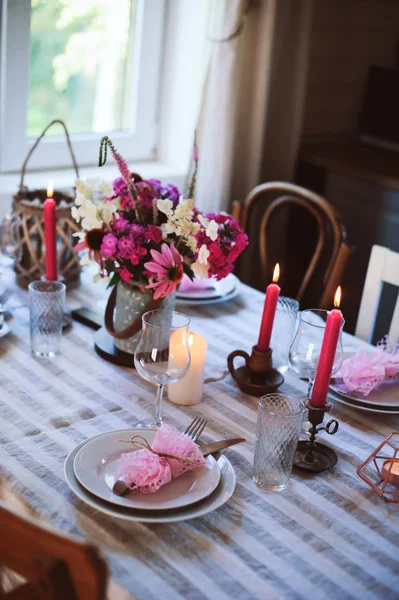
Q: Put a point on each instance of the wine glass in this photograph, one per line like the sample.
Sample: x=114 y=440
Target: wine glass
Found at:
x=162 y=355
x=10 y=239
x=305 y=349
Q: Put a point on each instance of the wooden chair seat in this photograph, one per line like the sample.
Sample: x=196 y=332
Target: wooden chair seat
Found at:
x=56 y=567
x=312 y=239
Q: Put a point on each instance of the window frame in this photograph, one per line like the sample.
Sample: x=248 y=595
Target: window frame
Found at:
x=139 y=142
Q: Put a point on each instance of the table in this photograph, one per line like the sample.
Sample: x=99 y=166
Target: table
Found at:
x=325 y=536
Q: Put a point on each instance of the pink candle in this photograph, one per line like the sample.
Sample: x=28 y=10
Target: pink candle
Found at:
x=269 y=311
x=50 y=235
x=326 y=360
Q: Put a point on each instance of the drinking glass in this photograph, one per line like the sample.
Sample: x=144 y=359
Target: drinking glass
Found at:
x=306 y=346
x=279 y=425
x=283 y=331
x=162 y=355
x=46 y=300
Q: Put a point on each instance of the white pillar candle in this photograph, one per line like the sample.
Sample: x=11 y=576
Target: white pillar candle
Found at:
x=189 y=390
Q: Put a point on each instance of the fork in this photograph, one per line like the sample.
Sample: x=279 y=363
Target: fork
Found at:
x=195 y=428
x=5 y=296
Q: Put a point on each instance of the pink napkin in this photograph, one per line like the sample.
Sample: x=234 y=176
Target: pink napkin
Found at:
x=171 y=454
x=198 y=285
x=365 y=371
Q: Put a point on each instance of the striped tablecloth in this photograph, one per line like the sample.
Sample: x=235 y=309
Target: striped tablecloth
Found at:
x=325 y=536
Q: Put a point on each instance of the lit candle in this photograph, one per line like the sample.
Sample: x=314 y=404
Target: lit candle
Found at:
x=189 y=390
x=390 y=471
x=327 y=354
x=50 y=235
x=269 y=311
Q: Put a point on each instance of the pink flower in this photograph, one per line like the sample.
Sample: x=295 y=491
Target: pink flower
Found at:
x=124 y=274
x=167 y=268
x=108 y=246
x=126 y=246
x=120 y=224
x=137 y=255
x=154 y=234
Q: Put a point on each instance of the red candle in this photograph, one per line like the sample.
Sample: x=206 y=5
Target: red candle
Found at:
x=269 y=310
x=326 y=360
x=50 y=235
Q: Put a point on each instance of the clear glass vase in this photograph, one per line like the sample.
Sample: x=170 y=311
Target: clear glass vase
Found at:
x=130 y=303
x=283 y=331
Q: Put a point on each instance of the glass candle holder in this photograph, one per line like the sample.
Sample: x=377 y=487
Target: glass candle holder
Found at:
x=279 y=424
x=46 y=301
x=283 y=331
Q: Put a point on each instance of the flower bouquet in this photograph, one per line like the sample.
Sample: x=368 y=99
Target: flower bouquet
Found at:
x=145 y=236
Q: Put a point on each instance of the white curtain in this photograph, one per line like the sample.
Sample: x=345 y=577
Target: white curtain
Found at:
x=219 y=106
x=250 y=123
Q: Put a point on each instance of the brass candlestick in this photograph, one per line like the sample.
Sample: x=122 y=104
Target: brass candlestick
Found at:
x=311 y=455
x=257 y=377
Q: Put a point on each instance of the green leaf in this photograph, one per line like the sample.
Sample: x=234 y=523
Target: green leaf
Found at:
x=188 y=271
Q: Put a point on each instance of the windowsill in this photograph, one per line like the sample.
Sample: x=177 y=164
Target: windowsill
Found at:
x=64 y=178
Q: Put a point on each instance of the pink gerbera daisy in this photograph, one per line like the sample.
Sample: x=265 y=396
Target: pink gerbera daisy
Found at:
x=167 y=269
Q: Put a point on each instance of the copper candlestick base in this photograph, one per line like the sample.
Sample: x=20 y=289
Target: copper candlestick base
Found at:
x=257 y=377
x=311 y=455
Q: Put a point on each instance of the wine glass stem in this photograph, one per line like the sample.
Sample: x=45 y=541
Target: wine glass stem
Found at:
x=310 y=388
x=158 y=410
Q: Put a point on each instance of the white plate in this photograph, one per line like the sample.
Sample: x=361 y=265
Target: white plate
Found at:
x=220 y=496
x=384 y=399
x=95 y=465
x=223 y=290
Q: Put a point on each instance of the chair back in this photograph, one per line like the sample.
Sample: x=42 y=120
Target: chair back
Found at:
x=315 y=248
x=55 y=566
x=383 y=268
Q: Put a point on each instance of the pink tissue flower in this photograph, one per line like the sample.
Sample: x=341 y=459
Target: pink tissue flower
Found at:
x=124 y=274
x=143 y=471
x=167 y=269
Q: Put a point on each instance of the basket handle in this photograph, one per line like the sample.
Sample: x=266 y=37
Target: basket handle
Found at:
x=75 y=166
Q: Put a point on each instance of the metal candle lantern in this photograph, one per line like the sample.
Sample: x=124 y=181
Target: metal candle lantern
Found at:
x=28 y=209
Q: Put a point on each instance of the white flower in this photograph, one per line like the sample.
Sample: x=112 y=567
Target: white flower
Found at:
x=75 y=214
x=191 y=242
x=204 y=221
x=80 y=186
x=108 y=211
x=165 y=206
x=203 y=255
x=90 y=219
x=184 y=209
x=200 y=270
x=212 y=230
x=80 y=235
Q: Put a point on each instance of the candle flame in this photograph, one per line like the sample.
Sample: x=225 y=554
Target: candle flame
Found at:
x=337 y=297
x=190 y=339
x=276 y=273
x=50 y=189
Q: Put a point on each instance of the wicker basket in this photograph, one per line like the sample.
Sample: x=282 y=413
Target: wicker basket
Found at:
x=28 y=208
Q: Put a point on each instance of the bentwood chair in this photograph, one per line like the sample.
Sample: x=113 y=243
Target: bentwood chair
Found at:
x=383 y=268
x=53 y=566
x=300 y=230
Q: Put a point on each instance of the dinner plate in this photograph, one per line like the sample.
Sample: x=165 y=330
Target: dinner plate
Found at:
x=95 y=465
x=383 y=399
x=219 y=496
x=220 y=291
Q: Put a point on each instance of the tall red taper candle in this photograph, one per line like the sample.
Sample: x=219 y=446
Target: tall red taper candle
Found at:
x=50 y=235
x=326 y=360
x=269 y=311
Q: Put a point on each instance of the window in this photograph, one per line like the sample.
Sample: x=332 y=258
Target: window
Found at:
x=90 y=63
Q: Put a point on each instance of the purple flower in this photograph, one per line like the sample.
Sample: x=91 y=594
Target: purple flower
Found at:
x=108 y=246
x=156 y=184
x=170 y=191
x=119 y=186
x=120 y=224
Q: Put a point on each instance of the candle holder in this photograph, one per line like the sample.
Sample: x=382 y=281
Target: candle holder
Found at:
x=311 y=455
x=257 y=377
x=380 y=470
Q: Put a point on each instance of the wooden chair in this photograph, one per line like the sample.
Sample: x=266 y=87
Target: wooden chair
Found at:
x=383 y=267
x=327 y=257
x=55 y=566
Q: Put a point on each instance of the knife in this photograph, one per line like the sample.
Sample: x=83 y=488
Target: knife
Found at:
x=120 y=489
